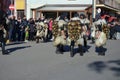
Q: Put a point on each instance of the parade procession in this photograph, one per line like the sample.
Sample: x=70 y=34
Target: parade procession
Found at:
x=59 y=39
x=74 y=31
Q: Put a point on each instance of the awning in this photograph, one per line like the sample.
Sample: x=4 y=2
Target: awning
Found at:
x=34 y=6
x=108 y=7
x=62 y=8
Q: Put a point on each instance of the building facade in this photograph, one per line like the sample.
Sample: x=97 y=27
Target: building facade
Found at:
x=110 y=7
x=54 y=8
x=19 y=8
x=53 y=11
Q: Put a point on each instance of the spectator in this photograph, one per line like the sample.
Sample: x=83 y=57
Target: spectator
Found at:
x=10 y=32
x=117 y=29
x=18 y=30
x=31 y=29
x=15 y=29
x=50 y=28
x=26 y=34
x=111 y=22
x=24 y=24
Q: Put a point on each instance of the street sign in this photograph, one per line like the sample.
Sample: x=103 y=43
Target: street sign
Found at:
x=11 y=7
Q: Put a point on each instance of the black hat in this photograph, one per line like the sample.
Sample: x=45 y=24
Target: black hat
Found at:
x=76 y=15
x=82 y=15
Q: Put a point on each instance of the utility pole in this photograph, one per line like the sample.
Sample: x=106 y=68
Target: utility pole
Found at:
x=11 y=9
x=15 y=10
x=94 y=8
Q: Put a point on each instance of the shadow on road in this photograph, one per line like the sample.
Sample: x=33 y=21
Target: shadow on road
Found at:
x=15 y=43
x=86 y=49
x=9 y=51
x=76 y=50
x=100 y=66
x=97 y=66
x=115 y=69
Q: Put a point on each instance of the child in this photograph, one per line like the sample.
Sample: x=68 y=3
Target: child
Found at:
x=26 y=33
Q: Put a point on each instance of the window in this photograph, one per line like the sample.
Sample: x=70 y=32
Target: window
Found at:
x=20 y=13
x=101 y=1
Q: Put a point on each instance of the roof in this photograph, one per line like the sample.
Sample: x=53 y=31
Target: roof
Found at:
x=108 y=7
x=34 y=6
x=118 y=1
x=65 y=7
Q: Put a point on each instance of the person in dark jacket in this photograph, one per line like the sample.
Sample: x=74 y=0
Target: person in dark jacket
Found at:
x=24 y=24
x=10 y=32
x=18 y=28
x=31 y=29
x=15 y=29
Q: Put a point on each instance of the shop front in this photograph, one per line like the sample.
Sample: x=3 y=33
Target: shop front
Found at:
x=54 y=11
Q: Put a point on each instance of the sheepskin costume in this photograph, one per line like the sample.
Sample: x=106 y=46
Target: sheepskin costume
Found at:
x=61 y=24
x=74 y=32
x=100 y=22
x=59 y=36
x=75 y=18
x=84 y=21
x=101 y=39
x=42 y=29
x=80 y=41
x=60 y=39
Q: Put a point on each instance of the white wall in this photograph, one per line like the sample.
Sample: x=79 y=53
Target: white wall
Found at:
x=69 y=1
x=60 y=1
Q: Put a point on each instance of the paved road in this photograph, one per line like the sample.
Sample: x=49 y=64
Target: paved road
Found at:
x=31 y=61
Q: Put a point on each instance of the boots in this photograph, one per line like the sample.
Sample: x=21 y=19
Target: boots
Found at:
x=101 y=52
x=80 y=50
x=93 y=40
x=85 y=42
x=71 y=51
x=59 y=49
x=37 y=39
x=72 y=48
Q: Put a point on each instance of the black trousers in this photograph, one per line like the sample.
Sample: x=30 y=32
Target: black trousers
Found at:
x=31 y=36
x=49 y=34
